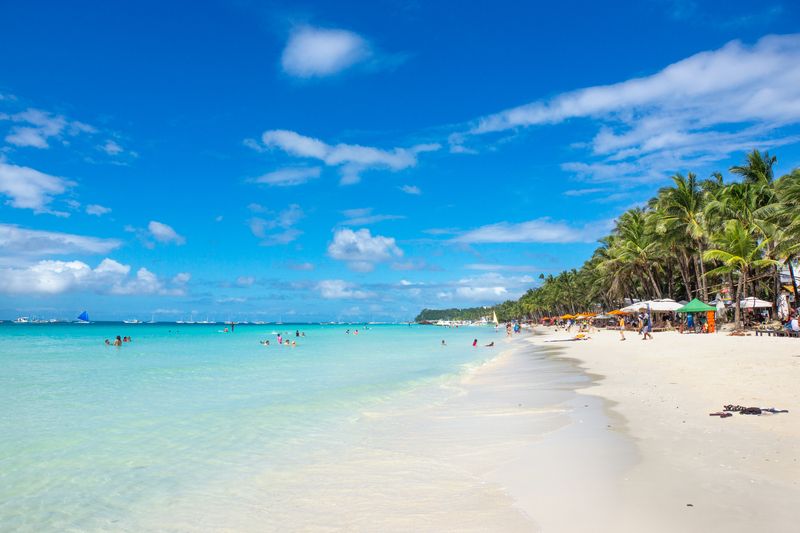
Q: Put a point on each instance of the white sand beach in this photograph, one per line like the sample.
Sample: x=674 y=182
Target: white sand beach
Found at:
x=694 y=472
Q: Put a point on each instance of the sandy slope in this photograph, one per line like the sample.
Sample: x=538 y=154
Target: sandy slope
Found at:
x=739 y=474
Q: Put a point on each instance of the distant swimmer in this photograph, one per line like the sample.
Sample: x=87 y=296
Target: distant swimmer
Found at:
x=297 y=333
x=280 y=338
x=444 y=343
x=264 y=342
x=294 y=343
x=118 y=341
x=474 y=343
x=490 y=345
x=108 y=342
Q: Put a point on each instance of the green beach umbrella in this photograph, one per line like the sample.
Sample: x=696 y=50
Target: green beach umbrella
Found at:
x=696 y=306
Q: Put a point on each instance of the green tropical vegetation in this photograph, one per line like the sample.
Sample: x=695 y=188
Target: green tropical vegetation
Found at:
x=696 y=238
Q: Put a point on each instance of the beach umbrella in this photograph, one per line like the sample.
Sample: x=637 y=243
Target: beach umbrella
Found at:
x=696 y=306
x=663 y=305
x=752 y=302
x=617 y=312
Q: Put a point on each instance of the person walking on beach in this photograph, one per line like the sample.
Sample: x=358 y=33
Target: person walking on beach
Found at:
x=622 y=328
x=647 y=327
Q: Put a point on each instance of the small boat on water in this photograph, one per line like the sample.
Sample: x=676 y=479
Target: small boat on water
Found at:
x=22 y=320
x=131 y=321
x=83 y=318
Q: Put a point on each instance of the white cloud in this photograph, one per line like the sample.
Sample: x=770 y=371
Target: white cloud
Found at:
x=541 y=230
x=109 y=277
x=361 y=250
x=364 y=217
x=301 y=266
x=245 y=281
x=351 y=159
x=97 y=210
x=481 y=293
x=287 y=177
x=492 y=267
x=164 y=233
x=283 y=222
x=410 y=189
x=318 y=52
x=693 y=112
x=38 y=126
x=111 y=148
x=29 y=188
x=340 y=289
x=16 y=241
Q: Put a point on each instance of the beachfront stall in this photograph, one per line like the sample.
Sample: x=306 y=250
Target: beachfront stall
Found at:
x=700 y=317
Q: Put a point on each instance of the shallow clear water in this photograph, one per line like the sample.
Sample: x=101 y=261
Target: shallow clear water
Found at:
x=92 y=435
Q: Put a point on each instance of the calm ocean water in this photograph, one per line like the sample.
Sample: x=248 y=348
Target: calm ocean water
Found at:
x=93 y=436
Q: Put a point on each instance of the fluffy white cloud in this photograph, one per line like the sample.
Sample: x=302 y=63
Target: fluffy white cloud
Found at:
x=340 y=289
x=164 y=233
x=28 y=188
x=109 y=277
x=541 y=230
x=351 y=159
x=411 y=189
x=481 y=293
x=287 y=177
x=16 y=241
x=37 y=127
x=111 y=148
x=361 y=250
x=695 y=111
x=97 y=210
x=317 y=52
x=491 y=267
x=283 y=222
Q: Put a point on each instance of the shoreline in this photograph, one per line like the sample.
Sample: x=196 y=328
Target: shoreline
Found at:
x=696 y=472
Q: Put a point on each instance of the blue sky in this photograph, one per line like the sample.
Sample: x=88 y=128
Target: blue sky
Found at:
x=357 y=160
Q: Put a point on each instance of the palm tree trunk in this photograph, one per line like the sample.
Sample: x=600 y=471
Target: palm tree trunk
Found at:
x=656 y=288
x=738 y=314
x=702 y=271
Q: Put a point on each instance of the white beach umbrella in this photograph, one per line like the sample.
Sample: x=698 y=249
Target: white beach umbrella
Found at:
x=663 y=305
x=752 y=302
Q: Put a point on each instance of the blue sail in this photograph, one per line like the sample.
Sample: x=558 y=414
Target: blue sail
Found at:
x=84 y=316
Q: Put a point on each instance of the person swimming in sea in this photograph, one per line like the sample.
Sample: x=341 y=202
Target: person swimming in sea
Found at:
x=474 y=343
x=118 y=341
x=444 y=343
x=264 y=342
x=490 y=345
x=108 y=342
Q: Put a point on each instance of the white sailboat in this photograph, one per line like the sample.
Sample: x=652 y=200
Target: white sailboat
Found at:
x=131 y=321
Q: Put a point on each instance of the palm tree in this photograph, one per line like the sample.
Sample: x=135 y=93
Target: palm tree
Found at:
x=683 y=224
x=739 y=252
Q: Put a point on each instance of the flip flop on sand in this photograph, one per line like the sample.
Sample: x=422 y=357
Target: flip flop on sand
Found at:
x=721 y=414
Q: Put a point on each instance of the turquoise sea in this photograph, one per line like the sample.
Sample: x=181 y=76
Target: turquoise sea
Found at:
x=94 y=437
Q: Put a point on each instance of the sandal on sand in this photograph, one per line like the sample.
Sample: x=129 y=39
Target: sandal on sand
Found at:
x=721 y=414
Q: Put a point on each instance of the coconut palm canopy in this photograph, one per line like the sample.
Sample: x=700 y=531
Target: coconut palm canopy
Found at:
x=695 y=238
x=696 y=306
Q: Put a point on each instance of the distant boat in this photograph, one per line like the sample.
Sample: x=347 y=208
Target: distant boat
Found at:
x=152 y=320
x=22 y=320
x=494 y=319
x=131 y=321
x=83 y=318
